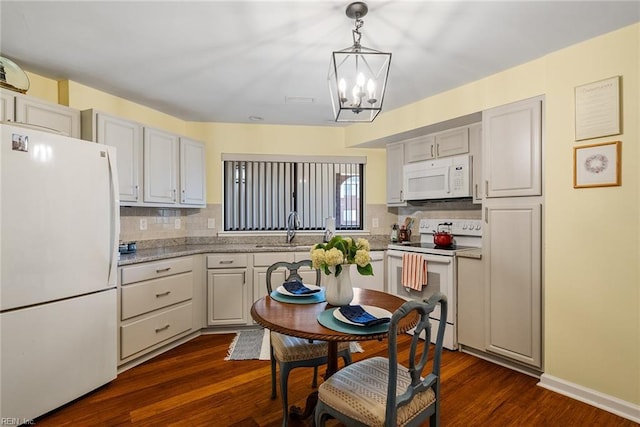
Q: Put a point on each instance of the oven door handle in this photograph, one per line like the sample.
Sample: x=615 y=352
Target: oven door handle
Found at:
x=440 y=259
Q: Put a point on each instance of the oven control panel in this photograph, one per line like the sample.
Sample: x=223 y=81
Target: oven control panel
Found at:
x=459 y=227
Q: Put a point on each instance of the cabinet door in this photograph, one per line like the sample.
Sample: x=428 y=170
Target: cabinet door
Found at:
x=420 y=148
x=260 y=281
x=192 y=173
x=471 y=302
x=475 y=148
x=227 y=297
x=52 y=116
x=375 y=282
x=126 y=136
x=160 y=166
x=395 y=164
x=512 y=149
x=7 y=101
x=452 y=142
x=512 y=246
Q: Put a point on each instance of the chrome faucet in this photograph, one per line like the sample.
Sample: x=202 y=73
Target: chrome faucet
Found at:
x=293 y=222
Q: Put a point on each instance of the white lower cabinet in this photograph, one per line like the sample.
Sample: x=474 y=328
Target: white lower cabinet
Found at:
x=511 y=245
x=261 y=262
x=471 y=310
x=141 y=334
x=156 y=305
x=375 y=282
x=227 y=289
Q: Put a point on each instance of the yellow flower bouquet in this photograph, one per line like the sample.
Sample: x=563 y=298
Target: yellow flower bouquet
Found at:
x=342 y=250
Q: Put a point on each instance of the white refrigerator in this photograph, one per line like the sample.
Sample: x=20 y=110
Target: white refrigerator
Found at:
x=59 y=225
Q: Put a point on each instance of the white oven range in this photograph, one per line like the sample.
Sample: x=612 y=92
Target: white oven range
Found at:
x=441 y=267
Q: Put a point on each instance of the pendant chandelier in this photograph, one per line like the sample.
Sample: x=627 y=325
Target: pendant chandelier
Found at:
x=358 y=75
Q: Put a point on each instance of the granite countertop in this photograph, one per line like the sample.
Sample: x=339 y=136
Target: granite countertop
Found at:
x=471 y=253
x=165 y=252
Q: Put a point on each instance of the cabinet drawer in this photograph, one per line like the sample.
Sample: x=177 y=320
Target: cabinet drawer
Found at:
x=267 y=258
x=154 y=294
x=154 y=270
x=144 y=333
x=226 y=261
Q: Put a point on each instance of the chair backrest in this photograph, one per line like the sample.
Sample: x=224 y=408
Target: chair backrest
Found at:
x=292 y=273
x=419 y=347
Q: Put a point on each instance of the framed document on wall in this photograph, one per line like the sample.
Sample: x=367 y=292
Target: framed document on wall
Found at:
x=598 y=109
x=596 y=165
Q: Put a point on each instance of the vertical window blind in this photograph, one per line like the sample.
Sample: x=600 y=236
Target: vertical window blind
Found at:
x=261 y=191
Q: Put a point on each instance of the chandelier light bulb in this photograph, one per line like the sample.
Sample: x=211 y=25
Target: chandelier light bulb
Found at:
x=342 y=87
x=360 y=80
x=371 y=88
x=356 y=95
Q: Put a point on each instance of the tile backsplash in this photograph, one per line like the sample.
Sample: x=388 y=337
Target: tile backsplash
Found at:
x=151 y=226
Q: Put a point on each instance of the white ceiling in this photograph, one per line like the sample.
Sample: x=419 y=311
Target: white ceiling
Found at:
x=224 y=61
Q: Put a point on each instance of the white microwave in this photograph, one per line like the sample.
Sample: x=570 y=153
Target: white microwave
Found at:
x=444 y=178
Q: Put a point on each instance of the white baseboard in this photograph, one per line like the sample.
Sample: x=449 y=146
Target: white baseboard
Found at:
x=591 y=397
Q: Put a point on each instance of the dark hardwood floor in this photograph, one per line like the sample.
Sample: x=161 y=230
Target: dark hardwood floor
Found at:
x=193 y=385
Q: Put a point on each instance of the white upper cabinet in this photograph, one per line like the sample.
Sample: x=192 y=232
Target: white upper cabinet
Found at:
x=447 y=143
x=475 y=149
x=45 y=115
x=395 y=163
x=512 y=149
x=126 y=136
x=155 y=168
x=7 y=103
x=420 y=148
x=192 y=173
x=160 y=166
x=452 y=142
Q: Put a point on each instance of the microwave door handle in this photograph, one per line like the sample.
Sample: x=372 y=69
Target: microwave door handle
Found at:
x=447 y=181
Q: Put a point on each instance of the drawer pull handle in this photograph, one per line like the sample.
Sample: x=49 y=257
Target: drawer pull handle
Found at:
x=164 y=328
x=162 y=270
x=163 y=294
x=226 y=262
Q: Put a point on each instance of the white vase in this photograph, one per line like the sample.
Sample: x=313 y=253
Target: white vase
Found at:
x=338 y=290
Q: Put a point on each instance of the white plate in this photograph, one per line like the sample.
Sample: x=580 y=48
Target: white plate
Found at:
x=283 y=291
x=375 y=311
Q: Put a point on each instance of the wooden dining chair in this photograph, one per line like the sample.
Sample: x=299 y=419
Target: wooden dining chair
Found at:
x=381 y=392
x=292 y=352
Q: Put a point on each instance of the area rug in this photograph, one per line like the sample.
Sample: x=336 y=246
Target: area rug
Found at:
x=254 y=344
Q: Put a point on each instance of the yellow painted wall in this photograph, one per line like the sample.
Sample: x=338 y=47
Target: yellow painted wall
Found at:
x=43 y=88
x=238 y=138
x=591 y=236
x=273 y=139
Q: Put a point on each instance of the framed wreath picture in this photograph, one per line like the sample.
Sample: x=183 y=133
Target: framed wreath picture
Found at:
x=596 y=165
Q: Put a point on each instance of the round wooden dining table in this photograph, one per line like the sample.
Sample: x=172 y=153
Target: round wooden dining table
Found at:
x=301 y=320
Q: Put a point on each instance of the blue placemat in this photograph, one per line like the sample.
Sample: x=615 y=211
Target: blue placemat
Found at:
x=327 y=320
x=311 y=299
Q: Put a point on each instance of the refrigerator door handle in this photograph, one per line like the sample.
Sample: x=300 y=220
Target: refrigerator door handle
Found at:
x=115 y=216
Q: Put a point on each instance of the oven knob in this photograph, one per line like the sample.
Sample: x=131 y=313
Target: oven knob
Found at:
x=464 y=226
x=478 y=227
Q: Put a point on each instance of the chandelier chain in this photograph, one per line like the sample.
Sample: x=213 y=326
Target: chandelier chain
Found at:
x=357 y=35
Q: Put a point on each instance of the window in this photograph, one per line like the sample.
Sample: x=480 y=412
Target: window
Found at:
x=261 y=191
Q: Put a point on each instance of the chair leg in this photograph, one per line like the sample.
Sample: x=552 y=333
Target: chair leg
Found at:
x=274 y=392
x=319 y=417
x=314 y=383
x=347 y=358
x=284 y=395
